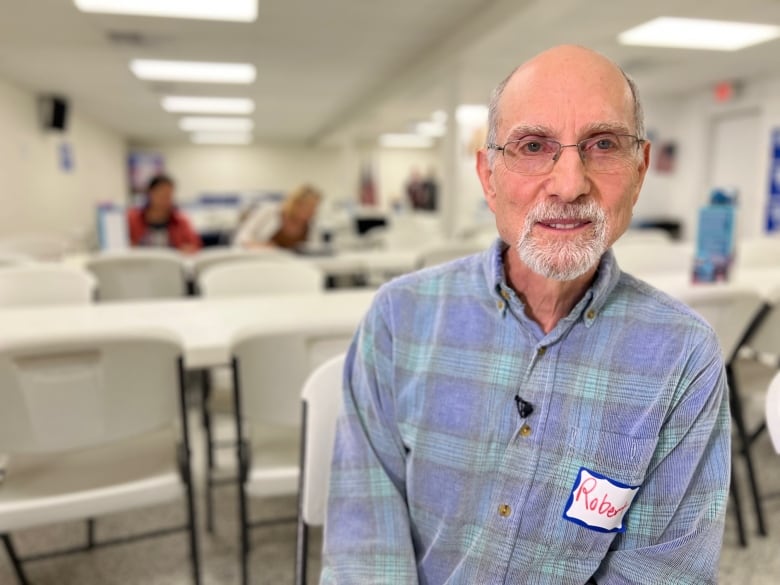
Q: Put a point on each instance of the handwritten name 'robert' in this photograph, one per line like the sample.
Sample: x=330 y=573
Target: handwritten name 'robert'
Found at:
x=598 y=503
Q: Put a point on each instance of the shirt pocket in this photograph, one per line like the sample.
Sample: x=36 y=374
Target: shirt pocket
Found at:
x=621 y=458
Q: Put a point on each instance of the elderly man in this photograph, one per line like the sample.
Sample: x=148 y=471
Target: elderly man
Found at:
x=533 y=415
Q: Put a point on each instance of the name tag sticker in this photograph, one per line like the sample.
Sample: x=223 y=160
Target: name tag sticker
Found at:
x=598 y=502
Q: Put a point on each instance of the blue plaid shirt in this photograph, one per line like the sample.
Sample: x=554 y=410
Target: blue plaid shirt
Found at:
x=437 y=479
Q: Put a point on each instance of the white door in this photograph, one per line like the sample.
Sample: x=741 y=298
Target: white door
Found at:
x=737 y=153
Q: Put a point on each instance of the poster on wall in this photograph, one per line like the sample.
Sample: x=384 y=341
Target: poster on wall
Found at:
x=142 y=166
x=773 y=205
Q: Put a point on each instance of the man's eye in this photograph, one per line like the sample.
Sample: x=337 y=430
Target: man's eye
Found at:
x=604 y=143
x=531 y=147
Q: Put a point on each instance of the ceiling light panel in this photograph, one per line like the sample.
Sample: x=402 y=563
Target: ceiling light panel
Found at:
x=206 y=124
x=207 y=105
x=405 y=141
x=193 y=71
x=692 y=33
x=230 y=10
x=221 y=137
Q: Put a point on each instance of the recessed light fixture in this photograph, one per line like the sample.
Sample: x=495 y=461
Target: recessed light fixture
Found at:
x=471 y=114
x=432 y=129
x=208 y=105
x=693 y=33
x=205 y=124
x=232 y=10
x=405 y=141
x=221 y=137
x=194 y=71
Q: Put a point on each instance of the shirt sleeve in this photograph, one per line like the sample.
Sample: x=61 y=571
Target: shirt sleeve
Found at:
x=259 y=227
x=674 y=530
x=367 y=533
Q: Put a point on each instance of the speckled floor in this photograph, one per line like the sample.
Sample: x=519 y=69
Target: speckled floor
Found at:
x=164 y=561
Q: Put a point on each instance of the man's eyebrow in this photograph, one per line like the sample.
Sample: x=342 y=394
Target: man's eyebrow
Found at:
x=544 y=131
x=600 y=127
x=528 y=129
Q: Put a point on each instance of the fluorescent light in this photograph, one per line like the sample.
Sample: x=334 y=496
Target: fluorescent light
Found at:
x=233 y=10
x=432 y=129
x=692 y=33
x=208 y=105
x=221 y=137
x=405 y=141
x=193 y=71
x=202 y=124
x=439 y=116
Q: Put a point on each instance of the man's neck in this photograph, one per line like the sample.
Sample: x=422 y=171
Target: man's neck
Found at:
x=157 y=215
x=546 y=301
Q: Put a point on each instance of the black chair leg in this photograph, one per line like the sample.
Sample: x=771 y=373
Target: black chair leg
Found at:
x=737 y=502
x=15 y=562
x=301 y=553
x=244 y=533
x=744 y=449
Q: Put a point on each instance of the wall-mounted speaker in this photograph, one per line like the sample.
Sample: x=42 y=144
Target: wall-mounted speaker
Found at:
x=54 y=113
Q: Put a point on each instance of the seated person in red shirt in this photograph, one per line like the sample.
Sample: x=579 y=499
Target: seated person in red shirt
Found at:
x=158 y=223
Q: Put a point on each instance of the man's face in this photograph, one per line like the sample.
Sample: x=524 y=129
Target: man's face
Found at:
x=161 y=196
x=562 y=221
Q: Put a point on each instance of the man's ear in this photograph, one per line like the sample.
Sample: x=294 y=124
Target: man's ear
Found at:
x=644 y=165
x=485 y=173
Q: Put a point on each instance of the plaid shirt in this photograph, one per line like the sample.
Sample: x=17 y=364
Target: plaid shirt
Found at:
x=437 y=479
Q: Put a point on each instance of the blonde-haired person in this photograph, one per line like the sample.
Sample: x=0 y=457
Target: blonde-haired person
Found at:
x=284 y=225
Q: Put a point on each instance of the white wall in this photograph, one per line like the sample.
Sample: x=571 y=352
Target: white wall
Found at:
x=35 y=194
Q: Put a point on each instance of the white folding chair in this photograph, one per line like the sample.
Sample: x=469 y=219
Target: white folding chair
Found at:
x=92 y=424
x=734 y=312
x=8 y=259
x=643 y=257
x=39 y=246
x=138 y=274
x=253 y=278
x=45 y=284
x=773 y=412
x=269 y=372
x=322 y=401
x=211 y=257
x=758 y=253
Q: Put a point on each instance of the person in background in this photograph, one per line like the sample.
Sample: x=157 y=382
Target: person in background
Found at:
x=284 y=225
x=532 y=414
x=159 y=223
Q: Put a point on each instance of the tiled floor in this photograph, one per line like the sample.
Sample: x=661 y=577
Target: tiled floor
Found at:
x=164 y=561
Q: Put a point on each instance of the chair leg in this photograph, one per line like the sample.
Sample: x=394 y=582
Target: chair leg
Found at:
x=744 y=448
x=301 y=552
x=193 y=530
x=209 y=504
x=90 y=533
x=737 y=502
x=15 y=562
x=206 y=417
x=244 y=533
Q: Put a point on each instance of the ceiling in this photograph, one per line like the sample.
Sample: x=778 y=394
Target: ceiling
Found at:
x=349 y=69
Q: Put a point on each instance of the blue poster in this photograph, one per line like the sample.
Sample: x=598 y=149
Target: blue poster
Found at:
x=773 y=205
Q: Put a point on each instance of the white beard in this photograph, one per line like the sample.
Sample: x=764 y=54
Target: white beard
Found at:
x=570 y=257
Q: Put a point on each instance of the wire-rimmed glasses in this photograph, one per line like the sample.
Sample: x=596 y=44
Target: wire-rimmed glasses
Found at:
x=536 y=155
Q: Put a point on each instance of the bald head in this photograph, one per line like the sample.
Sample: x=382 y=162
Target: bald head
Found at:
x=560 y=69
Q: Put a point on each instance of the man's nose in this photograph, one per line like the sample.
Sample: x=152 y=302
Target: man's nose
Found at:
x=569 y=179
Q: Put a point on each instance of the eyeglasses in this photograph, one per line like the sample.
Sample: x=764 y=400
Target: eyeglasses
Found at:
x=537 y=156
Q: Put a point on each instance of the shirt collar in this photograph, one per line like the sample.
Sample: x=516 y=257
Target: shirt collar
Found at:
x=589 y=306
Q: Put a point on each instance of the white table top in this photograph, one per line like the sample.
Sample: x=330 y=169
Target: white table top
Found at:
x=206 y=326
x=766 y=281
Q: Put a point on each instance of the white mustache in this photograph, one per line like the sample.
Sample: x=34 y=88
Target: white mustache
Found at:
x=544 y=212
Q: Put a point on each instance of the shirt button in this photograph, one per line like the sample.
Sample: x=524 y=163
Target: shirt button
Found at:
x=505 y=294
x=591 y=314
x=525 y=431
x=541 y=351
x=500 y=305
x=504 y=510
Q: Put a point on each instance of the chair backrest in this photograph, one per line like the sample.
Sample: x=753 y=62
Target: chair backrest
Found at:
x=758 y=253
x=773 y=412
x=272 y=369
x=211 y=257
x=765 y=340
x=82 y=390
x=38 y=246
x=442 y=253
x=260 y=278
x=322 y=398
x=642 y=257
x=138 y=274
x=729 y=309
x=45 y=284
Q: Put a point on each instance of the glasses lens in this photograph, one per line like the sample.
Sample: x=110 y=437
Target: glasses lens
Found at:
x=607 y=152
x=530 y=156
